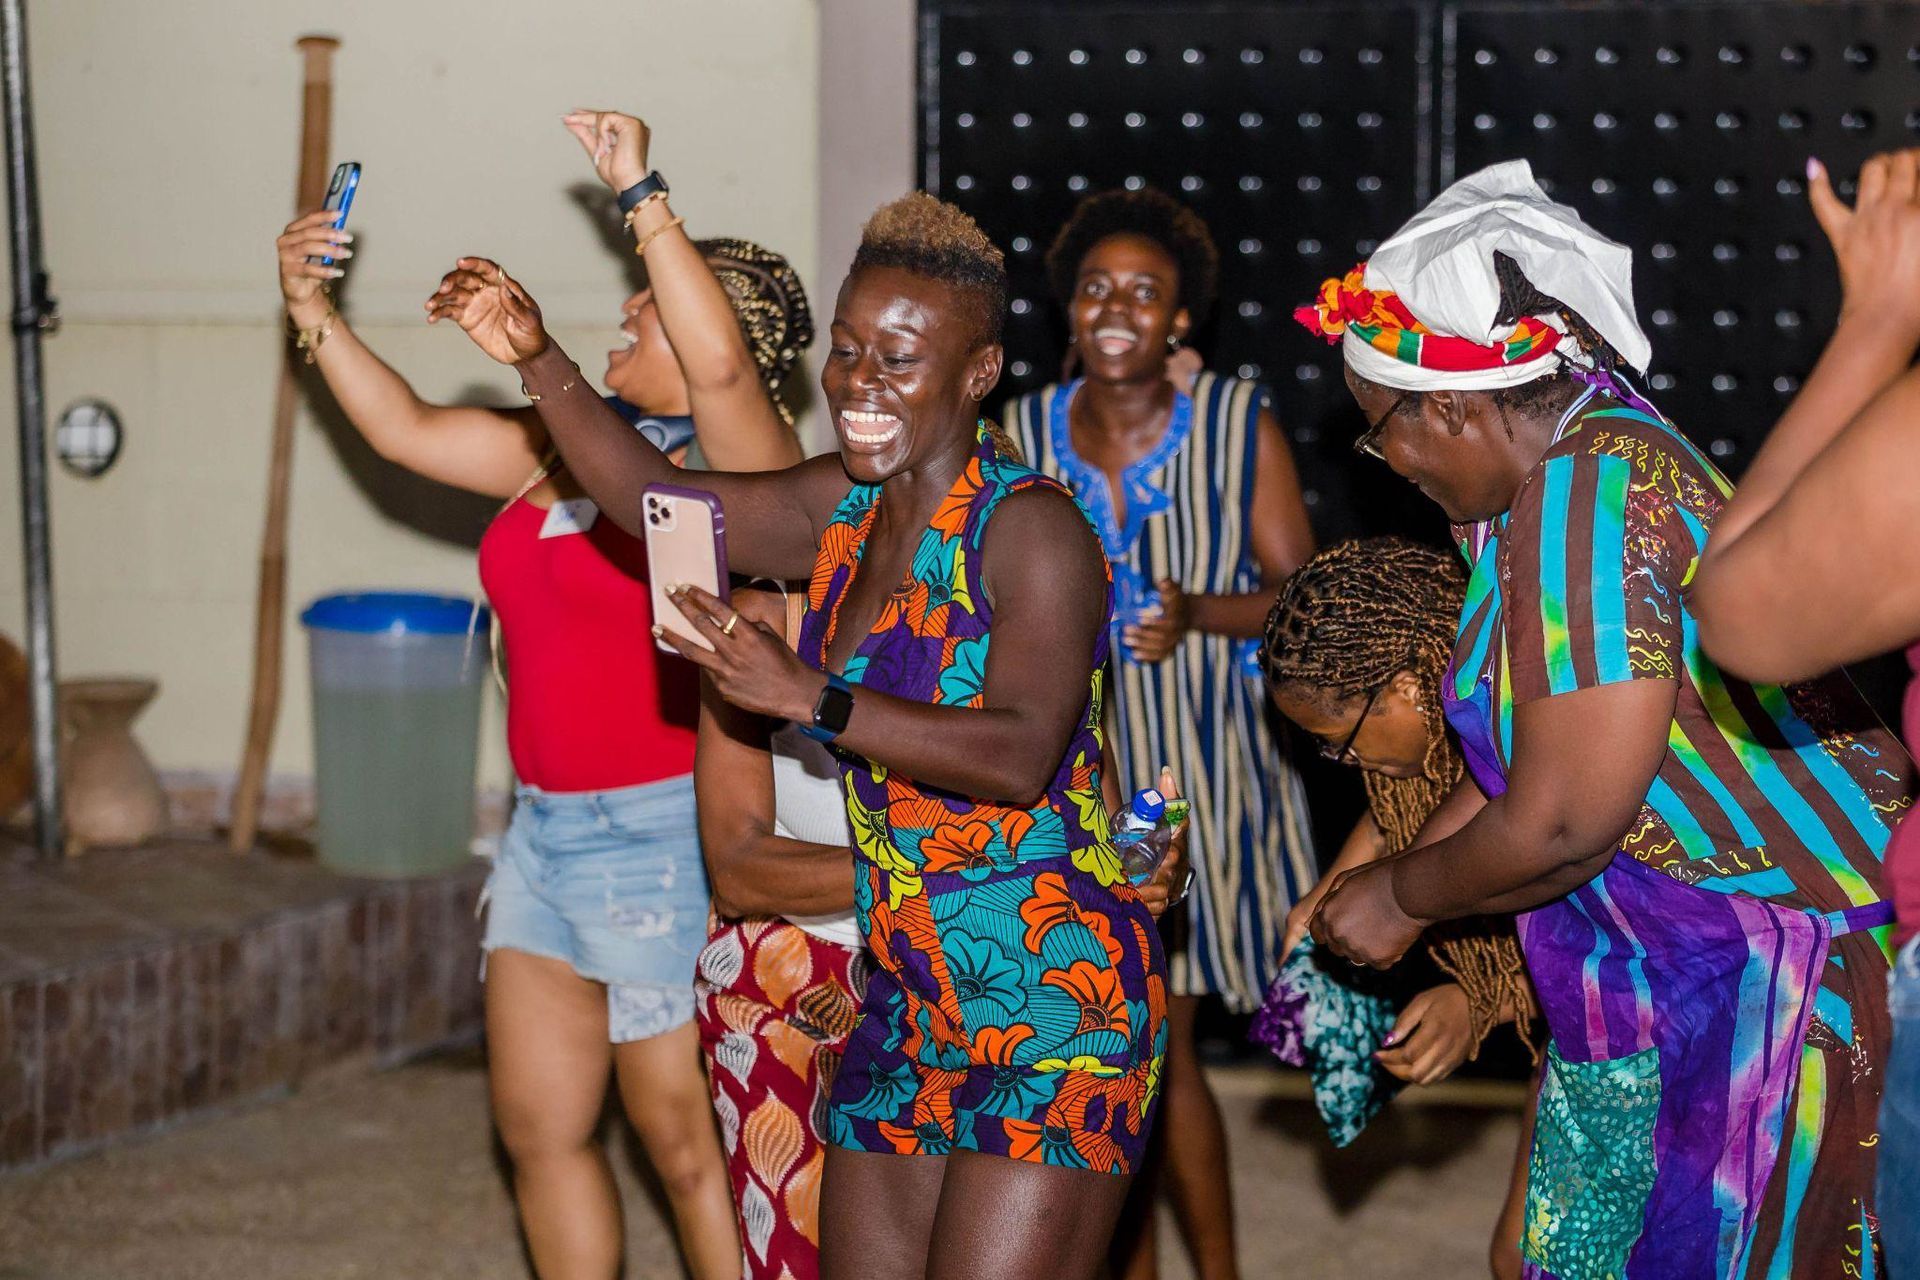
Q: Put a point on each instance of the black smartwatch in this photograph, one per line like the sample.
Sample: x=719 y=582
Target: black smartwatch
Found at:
x=651 y=185
x=831 y=711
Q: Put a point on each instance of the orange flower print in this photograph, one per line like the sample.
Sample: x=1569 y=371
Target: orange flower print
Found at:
x=1051 y=904
x=997 y=1044
x=1097 y=925
x=837 y=541
x=910 y=607
x=1025 y=1139
x=1090 y=1127
x=958 y=847
x=1103 y=1005
x=909 y=812
x=950 y=518
x=881 y=926
x=926 y=1139
x=933 y=1105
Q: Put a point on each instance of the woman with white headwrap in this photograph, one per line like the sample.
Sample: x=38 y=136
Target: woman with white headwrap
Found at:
x=1696 y=859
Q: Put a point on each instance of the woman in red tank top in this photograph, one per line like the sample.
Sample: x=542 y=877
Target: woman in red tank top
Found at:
x=598 y=900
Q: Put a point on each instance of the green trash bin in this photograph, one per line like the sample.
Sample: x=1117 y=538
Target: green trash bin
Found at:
x=397 y=681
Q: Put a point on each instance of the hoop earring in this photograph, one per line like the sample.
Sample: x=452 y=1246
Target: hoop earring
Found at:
x=1173 y=342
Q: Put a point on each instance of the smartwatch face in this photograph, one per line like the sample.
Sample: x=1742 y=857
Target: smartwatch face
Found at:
x=834 y=709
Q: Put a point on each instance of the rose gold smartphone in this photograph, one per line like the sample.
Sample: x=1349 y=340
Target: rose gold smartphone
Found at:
x=686 y=544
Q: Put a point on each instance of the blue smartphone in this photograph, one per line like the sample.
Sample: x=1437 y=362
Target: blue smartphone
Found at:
x=346 y=181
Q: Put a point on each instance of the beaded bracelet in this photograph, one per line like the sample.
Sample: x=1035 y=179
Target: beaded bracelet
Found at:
x=634 y=212
x=655 y=234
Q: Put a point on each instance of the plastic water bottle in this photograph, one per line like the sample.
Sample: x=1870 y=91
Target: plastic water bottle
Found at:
x=1142 y=834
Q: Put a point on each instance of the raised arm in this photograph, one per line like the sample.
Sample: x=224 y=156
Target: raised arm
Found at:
x=1779 y=566
x=488 y=451
x=1047 y=585
x=1876 y=245
x=772 y=517
x=1767 y=604
x=754 y=871
x=736 y=423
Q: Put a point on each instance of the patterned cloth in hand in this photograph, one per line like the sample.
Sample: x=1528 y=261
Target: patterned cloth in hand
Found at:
x=1329 y=1016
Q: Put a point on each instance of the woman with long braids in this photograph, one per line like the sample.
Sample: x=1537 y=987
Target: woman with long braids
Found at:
x=1696 y=859
x=597 y=903
x=1356 y=651
x=1194 y=494
x=997 y=1092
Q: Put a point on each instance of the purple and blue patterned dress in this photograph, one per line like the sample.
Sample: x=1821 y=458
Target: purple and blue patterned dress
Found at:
x=1717 y=996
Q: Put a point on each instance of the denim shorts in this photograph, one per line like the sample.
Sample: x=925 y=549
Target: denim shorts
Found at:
x=611 y=882
x=1899 y=1196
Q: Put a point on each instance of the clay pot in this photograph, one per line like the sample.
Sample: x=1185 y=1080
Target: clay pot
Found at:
x=112 y=795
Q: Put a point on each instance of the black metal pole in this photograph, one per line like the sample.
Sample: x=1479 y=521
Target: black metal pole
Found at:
x=33 y=312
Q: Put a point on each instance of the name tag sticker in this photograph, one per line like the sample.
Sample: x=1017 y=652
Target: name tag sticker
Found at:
x=571 y=515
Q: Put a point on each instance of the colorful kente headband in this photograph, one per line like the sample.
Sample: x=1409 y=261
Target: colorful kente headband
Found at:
x=1378 y=318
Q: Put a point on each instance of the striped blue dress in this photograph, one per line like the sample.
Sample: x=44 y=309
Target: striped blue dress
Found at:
x=1203 y=709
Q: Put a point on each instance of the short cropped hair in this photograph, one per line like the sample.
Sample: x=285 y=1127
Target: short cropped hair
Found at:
x=1153 y=215
x=929 y=237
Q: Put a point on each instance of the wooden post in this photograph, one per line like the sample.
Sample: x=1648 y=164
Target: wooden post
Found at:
x=316 y=142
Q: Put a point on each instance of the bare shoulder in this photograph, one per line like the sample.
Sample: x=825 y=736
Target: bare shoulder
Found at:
x=1041 y=529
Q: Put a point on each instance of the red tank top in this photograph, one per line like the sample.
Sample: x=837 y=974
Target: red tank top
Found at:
x=592 y=704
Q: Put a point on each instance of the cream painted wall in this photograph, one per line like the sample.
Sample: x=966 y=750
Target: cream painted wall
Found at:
x=167 y=136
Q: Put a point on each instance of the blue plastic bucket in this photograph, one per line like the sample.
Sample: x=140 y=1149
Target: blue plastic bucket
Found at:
x=397 y=680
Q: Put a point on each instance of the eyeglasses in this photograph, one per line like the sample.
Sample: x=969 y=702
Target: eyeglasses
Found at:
x=1345 y=749
x=1369 y=442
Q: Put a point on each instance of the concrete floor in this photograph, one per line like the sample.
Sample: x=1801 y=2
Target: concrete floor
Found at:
x=395 y=1175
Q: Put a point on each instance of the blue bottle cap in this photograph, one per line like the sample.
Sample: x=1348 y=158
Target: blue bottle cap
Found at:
x=1148 y=804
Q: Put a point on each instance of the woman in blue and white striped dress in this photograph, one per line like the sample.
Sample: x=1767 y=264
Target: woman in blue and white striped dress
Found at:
x=1198 y=505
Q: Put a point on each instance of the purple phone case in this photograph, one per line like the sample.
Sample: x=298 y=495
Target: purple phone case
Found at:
x=719 y=515
x=712 y=503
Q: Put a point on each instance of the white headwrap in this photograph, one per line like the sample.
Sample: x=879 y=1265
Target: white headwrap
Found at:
x=1441 y=266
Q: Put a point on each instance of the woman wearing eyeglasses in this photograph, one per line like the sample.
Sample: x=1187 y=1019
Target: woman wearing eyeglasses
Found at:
x=1356 y=653
x=1198 y=507
x=1695 y=859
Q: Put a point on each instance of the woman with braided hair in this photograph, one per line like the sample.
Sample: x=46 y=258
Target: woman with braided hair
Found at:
x=1355 y=651
x=1695 y=860
x=597 y=903
x=1357 y=646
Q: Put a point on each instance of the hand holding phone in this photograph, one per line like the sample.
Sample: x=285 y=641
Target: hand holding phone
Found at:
x=686 y=544
x=346 y=181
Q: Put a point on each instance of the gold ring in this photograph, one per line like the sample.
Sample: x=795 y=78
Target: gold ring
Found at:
x=728 y=629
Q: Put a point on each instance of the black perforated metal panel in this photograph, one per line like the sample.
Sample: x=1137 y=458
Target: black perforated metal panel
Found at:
x=1303 y=132
x=1298 y=134
x=1684 y=132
